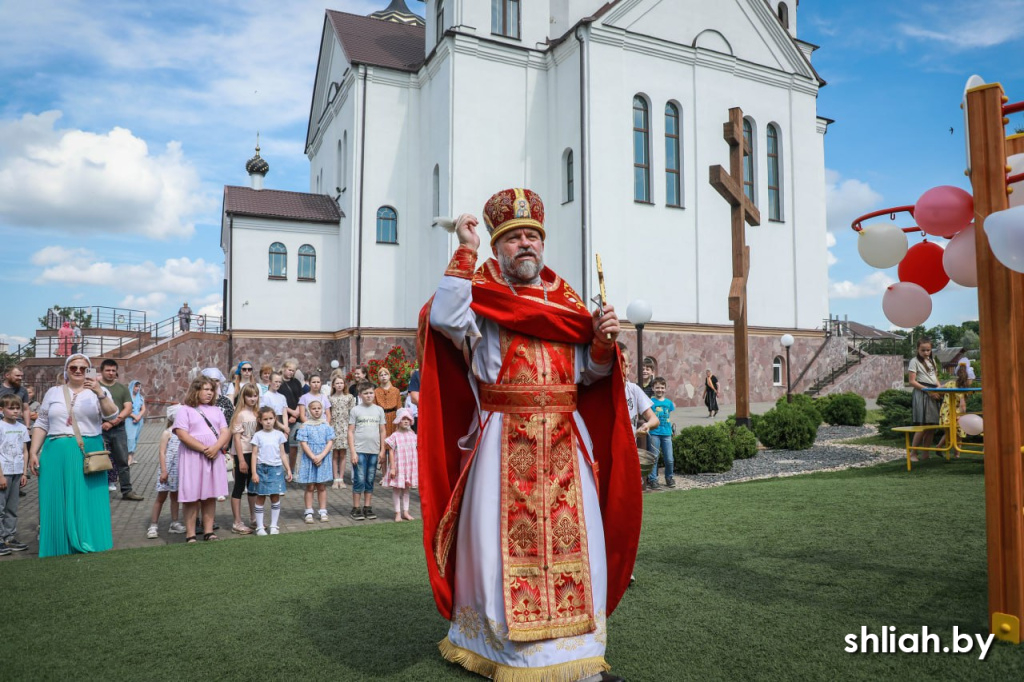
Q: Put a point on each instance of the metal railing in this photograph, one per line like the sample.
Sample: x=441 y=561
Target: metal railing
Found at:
x=100 y=317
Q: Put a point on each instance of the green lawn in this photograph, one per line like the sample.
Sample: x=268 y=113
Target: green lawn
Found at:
x=877 y=439
x=757 y=580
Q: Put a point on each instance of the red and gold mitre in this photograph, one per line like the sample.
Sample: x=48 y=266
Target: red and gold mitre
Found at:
x=511 y=209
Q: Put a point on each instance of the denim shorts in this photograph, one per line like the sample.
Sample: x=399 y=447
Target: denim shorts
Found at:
x=364 y=473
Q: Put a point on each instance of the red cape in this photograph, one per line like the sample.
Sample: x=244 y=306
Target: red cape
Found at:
x=447 y=409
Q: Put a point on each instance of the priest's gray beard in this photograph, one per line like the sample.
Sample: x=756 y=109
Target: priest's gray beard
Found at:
x=522 y=270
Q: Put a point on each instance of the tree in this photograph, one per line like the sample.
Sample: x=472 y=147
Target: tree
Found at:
x=58 y=314
x=952 y=334
x=972 y=325
x=970 y=340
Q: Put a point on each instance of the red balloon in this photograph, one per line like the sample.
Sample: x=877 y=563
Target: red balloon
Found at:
x=943 y=211
x=923 y=266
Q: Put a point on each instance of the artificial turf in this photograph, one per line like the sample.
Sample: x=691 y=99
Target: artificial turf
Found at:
x=759 y=580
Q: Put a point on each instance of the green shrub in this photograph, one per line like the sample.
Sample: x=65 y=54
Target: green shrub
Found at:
x=787 y=428
x=703 y=450
x=744 y=443
x=895 y=404
x=844 y=409
x=894 y=397
x=754 y=419
x=805 y=404
x=974 y=402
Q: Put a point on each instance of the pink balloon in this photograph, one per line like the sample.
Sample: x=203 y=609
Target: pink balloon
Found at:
x=906 y=304
x=943 y=211
x=972 y=424
x=960 y=260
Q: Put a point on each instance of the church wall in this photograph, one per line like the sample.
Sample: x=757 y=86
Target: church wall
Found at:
x=534 y=24
x=262 y=303
x=807 y=154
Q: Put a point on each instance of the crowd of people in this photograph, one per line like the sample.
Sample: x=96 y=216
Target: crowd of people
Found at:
x=262 y=429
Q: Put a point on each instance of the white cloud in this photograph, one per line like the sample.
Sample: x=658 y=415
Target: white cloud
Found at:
x=872 y=285
x=830 y=243
x=13 y=341
x=968 y=25
x=79 y=181
x=51 y=255
x=847 y=199
x=148 y=302
x=139 y=282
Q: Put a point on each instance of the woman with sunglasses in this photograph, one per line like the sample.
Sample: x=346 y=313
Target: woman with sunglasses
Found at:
x=243 y=374
x=74 y=508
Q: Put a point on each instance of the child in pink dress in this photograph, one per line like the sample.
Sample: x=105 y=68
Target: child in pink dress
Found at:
x=403 y=468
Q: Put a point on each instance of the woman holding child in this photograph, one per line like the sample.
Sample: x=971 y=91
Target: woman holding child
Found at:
x=74 y=508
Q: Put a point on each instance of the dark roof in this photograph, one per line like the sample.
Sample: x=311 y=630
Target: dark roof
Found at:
x=947 y=356
x=398 y=11
x=379 y=43
x=867 y=332
x=273 y=203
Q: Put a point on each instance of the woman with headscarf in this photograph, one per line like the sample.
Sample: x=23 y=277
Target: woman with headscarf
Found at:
x=74 y=508
x=133 y=425
x=65 y=337
x=711 y=393
x=241 y=375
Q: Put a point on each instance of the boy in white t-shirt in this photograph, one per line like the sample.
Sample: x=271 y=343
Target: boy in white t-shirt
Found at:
x=14 y=440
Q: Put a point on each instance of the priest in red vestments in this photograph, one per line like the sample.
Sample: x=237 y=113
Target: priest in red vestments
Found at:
x=528 y=469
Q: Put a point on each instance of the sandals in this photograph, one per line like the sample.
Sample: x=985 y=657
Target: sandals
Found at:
x=241 y=529
x=210 y=536
x=190 y=540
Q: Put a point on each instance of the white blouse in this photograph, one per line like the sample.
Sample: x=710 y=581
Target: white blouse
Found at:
x=53 y=413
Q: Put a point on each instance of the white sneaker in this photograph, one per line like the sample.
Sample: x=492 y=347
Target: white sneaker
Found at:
x=112 y=487
x=323 y=517
x=177 y=528
x=221 y=498
x=152 y=533
x=274 y=530
x=261 y=531
x=308 y=518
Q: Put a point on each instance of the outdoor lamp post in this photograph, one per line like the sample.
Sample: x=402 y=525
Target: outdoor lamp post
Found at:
x=639 y=313
x=787 y=341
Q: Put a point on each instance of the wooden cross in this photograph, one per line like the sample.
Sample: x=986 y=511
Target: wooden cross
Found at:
x=730 y=186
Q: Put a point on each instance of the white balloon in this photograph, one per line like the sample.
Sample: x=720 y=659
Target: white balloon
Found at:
x=882 y=245
x=1005 y=232
x=1016 y=164
x=960 y=259
x=906 y=304
x=972 y=424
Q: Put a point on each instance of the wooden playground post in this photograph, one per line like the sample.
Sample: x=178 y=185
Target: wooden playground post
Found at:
x=1001 y=317
x=730 y=186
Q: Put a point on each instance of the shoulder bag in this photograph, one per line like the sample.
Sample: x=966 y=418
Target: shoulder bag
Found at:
x=93 y=462
x=230 y=463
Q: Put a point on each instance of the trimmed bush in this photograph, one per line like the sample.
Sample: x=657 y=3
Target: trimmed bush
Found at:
x=787 y=428
x=744 y=443
x=754 y=419
x=703 y=450
x=844 y=409
x=805 y=404
x=896 y=411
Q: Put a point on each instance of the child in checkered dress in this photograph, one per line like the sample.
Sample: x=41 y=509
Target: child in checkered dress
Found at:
x=403 y=468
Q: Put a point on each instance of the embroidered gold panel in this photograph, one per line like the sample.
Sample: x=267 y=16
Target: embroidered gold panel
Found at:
x=543 y=532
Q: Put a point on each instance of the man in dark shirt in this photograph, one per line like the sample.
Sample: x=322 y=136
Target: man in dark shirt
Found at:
x=291 y=389
x=115 y=438
x=13 y=378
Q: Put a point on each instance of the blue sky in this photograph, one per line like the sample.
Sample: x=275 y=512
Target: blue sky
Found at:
x=121 y=121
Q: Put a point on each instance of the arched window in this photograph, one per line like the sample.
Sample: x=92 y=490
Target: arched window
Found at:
x=568 y=177
x=505 y=18
x=278 y=261
x=641 y=151
x=307 y=263
x=440 y=20
x=774 y=174
x=777 y=370
x=437 y=192
x=784 y=15
x=387 y=225
x=673 y=193
x=748 y=160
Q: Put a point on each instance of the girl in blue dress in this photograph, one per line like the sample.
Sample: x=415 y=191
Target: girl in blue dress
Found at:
x=316 y=470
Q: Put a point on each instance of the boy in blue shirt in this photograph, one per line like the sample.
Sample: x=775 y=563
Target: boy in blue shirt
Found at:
x=661 y=436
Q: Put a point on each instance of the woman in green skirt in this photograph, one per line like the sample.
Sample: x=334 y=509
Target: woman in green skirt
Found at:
x=74 y=508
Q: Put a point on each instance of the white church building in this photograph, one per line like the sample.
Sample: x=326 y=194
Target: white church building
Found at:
x=612 y=111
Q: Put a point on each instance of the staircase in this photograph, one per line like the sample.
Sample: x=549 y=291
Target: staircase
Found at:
x=854 y=356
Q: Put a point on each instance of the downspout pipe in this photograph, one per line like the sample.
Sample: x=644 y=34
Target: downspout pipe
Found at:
x=584 y=160
x=359 y=224
x=227 y=321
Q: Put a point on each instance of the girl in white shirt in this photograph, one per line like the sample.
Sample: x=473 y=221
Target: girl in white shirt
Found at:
x=270 y=468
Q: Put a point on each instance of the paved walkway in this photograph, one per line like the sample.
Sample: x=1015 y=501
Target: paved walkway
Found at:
x=130 y=520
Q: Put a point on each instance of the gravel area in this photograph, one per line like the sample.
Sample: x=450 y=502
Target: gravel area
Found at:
x=825 y=455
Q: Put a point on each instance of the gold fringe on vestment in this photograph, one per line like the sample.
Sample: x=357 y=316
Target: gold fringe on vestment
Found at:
x=570 y=671
x=533 y=634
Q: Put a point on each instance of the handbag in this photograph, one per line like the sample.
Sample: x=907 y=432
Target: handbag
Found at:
x=227 y=458
x=92 y=462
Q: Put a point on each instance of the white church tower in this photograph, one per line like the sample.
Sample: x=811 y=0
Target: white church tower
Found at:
x=612 y=112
